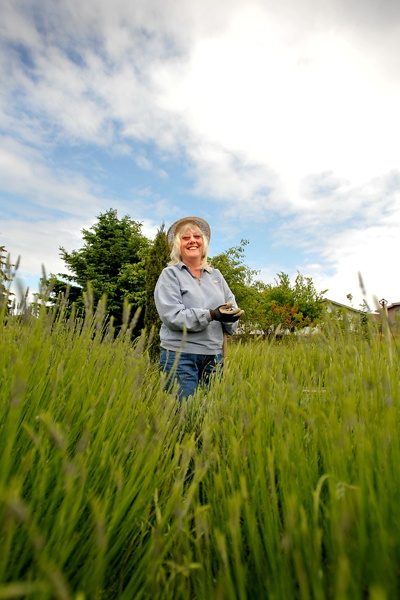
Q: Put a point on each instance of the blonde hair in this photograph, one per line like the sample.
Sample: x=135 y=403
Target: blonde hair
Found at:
x=176 y=246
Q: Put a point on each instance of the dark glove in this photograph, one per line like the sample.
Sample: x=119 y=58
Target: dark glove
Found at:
x=226 y=314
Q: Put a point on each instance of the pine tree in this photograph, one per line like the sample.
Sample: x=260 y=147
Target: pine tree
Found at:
x=157 y=260
x=112 y=261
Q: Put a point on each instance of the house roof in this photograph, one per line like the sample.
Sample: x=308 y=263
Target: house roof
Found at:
x=343 y=306
x=393 y=305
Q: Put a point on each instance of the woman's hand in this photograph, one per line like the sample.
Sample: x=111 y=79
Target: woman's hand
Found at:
x=226 y=314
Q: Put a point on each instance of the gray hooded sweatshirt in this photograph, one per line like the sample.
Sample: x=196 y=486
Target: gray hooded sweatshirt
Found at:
x=183 y=303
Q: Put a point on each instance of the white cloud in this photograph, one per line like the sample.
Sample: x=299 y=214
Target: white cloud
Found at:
x=23 y=172
x=368 y=253
x=37 y=243
x=297 y=109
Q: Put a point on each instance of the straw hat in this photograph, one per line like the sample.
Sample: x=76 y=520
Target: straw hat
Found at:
x=201 y=224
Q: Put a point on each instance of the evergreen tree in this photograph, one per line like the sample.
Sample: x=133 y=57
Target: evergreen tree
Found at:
x=157 y=260
x=113 y=261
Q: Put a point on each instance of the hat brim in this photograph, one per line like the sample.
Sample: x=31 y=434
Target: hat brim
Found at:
x=173 y=230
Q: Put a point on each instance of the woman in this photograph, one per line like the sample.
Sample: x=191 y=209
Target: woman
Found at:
x=195 y=306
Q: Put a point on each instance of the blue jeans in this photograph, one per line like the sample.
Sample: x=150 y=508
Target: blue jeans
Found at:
x=189 y=370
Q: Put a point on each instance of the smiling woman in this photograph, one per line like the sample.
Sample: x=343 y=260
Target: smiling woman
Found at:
x=196 y=308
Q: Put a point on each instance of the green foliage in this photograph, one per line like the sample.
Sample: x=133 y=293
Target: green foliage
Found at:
x=280 y=480
x=157 y=260
x=289 y=307
x=55 y=292
x=240 y=279
x=79 y=447
x=269 y=307
x=113 y=259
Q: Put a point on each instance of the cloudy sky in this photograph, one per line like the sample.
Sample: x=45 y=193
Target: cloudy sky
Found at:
x=278 y=122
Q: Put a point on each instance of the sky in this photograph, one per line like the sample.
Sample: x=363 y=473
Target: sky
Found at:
x=277 y=122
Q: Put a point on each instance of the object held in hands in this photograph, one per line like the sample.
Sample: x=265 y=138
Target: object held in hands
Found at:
x=226 y=314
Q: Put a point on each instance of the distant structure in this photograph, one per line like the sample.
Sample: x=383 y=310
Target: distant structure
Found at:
x=391 y=310
x=331 y=306
x=389 y=313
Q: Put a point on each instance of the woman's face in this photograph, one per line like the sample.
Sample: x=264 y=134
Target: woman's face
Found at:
x=191 y=245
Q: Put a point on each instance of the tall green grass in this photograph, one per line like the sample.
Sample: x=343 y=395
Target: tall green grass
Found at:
x=281 y=480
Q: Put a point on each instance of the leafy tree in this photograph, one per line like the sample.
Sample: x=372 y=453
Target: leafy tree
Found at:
x=113 y=260
x=290 y=307
x=240 y=279
x=307 y=299
x=158 y=258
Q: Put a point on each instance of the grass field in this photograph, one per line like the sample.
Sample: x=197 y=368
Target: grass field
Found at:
x=280 y=481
